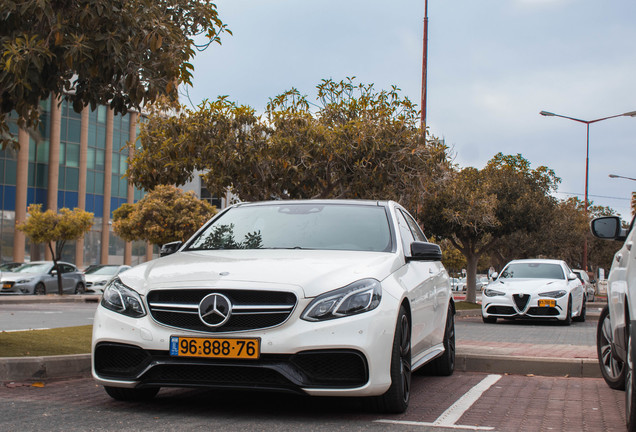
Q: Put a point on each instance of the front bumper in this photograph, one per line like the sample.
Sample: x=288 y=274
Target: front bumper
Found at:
x=521 y=305
x=342 y=357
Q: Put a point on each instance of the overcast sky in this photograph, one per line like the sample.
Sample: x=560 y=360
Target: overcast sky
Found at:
x=493 y=65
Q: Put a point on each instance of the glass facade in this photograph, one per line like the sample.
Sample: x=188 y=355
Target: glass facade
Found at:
x=68 y=180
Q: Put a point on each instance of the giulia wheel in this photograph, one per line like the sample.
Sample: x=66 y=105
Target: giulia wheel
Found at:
x=396 y=399
x=612 y=368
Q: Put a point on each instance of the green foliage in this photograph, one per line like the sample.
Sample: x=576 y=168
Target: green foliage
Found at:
x=55 y=229
x=355 y=142
x=164 y=215
x=474 y=208
x=124 y=53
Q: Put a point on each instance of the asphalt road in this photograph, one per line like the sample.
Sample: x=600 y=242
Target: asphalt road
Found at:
x=15 y=317
x=463 y=401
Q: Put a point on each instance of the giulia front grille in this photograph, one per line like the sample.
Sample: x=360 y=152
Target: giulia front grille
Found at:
x=521 y=301
x=251 y=309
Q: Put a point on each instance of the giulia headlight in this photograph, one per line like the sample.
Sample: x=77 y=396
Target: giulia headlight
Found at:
x=489 y=292
x=553 y=294
x=361 y=296
x=119 y=298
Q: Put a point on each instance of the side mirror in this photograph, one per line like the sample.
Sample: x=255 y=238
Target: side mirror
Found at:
x=572 y=276
x=170 y=248
x=607 y=227
x=53 y=272
x=494 y=276
x=423 y=251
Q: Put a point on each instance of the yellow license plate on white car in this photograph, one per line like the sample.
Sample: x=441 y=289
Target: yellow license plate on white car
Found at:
x=547 y=303
x=228 y=348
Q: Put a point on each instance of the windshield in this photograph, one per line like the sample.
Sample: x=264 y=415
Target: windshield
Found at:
x=102 y=270
x=32 y=268
x=298 y=226
x=533 y=271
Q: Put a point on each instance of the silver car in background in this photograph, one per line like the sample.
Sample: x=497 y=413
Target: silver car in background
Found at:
x=40 y=277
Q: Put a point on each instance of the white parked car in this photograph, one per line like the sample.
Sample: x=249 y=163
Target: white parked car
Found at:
x=587 y=284
x=617 y=326
x=534 y=288
x=98 y=275
x=333 y=298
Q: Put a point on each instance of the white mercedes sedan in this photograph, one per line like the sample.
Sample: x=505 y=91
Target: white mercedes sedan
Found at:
x=534 y=288
x=333 y=298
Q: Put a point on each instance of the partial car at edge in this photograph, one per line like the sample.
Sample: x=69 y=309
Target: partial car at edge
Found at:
x=324 y=298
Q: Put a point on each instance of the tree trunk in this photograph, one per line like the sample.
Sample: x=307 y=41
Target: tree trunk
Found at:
x=471 y=277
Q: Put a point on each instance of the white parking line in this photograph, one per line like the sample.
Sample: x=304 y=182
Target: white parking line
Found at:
x=457 y=410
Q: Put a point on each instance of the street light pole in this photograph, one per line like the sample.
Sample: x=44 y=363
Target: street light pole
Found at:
x=587 y=158
x=618 y=176
x=424 y=70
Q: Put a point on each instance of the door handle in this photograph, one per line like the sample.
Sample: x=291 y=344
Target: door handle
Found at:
x=619 y=257
x=628 y=245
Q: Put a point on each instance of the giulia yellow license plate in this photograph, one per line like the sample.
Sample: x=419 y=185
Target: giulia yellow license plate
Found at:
x=547 y=303
x=230 y=348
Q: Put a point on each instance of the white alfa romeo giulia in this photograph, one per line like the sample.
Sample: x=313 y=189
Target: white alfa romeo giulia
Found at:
x=534 y=288
x=317 y=297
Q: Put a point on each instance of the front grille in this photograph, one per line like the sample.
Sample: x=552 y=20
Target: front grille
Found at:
x=501 y=310
x=543 y=311
x=521 y=301
x=251 y=309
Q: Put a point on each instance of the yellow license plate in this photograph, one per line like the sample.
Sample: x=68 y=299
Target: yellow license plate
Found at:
x=7 y=285
x=547 y=303
x=229 y=348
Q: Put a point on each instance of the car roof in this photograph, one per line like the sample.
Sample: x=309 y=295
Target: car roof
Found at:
x=316 y=202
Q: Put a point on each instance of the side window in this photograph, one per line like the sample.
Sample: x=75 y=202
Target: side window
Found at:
x=415 y=228
x=405 y=233
x=67 y=268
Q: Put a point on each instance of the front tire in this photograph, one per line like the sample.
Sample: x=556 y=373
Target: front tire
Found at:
x=612 y=368
x=131 y=394
x=39 y=289
x=79 y=288
x=397 y=397
x=489 y=320
x=568 y=314
x=581 y=317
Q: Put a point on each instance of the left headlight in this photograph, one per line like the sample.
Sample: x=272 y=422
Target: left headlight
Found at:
x=119 y=298
x=553 y=294
x=358 y=297
x=489 y=292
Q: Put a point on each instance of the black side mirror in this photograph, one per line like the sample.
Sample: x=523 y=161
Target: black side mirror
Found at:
x=424 y=251
x=607 y=227
x=170 y=248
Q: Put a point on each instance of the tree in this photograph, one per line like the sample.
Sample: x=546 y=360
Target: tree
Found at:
x=355 y=142
x=164 y=215
x=55 y=229
x=124 y=53
x=474 y=208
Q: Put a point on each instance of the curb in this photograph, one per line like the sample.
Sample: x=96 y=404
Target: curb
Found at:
x=50 y=298
x=28 y=369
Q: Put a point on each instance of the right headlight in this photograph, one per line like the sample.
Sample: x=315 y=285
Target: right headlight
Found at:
x=119 y=298
x=489 y=292
x=553 y=294
x=358 y=297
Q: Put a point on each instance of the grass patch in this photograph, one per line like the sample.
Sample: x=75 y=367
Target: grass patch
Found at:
x=464 y=305
x=58 y=341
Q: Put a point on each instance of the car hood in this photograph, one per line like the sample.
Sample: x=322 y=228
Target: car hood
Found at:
x=528 y=286
x=96 y=278
x=315 y=272
x=12 y=277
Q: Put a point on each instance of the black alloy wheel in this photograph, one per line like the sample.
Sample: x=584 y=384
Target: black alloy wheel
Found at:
x=396 y=399
x=39 y=289
x=79 y=288
x=612 y=368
